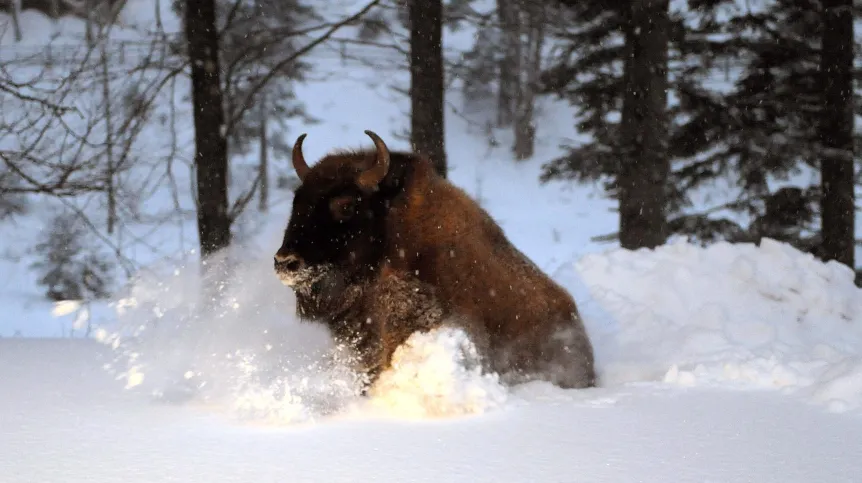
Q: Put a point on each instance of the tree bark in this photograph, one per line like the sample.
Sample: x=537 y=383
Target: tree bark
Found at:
x=427 y=86
x=110 y=189
x=644 y=166
x=211 y=162
x=16 y=20
x=837 y=204
x=90 y=6
x=510 y=28
x=525 y=127
x=263 y=200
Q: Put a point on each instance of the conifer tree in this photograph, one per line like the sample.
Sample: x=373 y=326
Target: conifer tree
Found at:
x=759 y=136
x=838 y=211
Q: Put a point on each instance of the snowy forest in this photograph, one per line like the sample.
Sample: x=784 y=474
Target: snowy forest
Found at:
x=671 y=104
x=687 y=170
x=755 y=103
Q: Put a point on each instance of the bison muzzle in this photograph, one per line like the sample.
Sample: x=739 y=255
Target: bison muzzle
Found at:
x=379 y=246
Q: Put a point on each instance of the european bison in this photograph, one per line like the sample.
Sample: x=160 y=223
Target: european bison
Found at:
x=372 y=222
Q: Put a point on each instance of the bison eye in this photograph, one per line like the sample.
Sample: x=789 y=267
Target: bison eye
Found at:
x=342 y=207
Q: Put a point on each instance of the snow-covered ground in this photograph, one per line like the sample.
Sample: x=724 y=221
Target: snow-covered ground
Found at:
x=64 y=421
x=720 y=364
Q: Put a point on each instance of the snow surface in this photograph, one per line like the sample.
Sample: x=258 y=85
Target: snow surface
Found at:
x=64 y=421
x=729 y=363
x=690 y=342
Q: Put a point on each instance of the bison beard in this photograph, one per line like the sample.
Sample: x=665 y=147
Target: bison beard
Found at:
x=379 y=246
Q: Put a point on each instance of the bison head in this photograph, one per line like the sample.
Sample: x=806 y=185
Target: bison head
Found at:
x=336 y=230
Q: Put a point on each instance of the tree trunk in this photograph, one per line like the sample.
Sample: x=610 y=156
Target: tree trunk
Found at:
x=836 y=135
x=427 y=86
x=157 y=14
x=90 y=6
x=211 y=161
x=16 y=20
x=509 y=68
x=113 y=11
x=109 y=138
x=263 y=200
x=525 y=126
x=644 y=166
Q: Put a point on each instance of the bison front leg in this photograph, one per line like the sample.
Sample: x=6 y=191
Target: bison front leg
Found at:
x=377 y=351
x=371 y=359
x=371 y=367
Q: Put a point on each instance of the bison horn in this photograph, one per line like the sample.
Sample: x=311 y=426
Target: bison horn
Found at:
x=299 y=163
x=375 y=174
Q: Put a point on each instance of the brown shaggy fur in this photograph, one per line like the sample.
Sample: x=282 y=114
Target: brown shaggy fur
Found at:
x=435 y=233
x=375 y=318
x=450 y=242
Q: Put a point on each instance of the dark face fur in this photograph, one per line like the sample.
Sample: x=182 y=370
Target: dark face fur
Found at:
x=335 y=235
x=332 y=227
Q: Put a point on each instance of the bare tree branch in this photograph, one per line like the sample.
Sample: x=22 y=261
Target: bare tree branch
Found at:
x=266 y=78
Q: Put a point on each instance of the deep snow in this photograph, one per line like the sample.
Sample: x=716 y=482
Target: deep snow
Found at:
x=730 y=315
x=64 y=421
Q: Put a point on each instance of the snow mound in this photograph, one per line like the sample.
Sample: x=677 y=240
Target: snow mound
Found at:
x=436 y=374
x=743 y=315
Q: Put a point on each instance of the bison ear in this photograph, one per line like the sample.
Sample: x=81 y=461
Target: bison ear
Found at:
x=371 y=177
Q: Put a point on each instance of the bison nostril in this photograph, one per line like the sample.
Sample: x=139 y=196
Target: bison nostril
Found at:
x=289 y=263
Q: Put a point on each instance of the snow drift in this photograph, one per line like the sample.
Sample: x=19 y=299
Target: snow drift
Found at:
x=765 y=316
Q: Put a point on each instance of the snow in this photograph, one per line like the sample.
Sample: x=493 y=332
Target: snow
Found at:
x=727 y=363
x=260 y=363
x=437 y=374
x=727 y=316
x=64 y=420
x=763 y=316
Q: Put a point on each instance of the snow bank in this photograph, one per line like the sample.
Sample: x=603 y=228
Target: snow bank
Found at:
x=739 y=315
